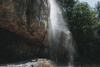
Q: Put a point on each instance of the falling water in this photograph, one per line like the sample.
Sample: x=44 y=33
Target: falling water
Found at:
x=61 y=48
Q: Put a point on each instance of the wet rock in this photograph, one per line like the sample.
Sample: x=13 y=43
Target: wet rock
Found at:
x=46 y=63
x=62 y=49
x=31 y=27
x=22 y=30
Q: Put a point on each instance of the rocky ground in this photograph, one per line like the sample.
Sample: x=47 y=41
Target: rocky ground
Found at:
x=41 y=63
x=32 y=63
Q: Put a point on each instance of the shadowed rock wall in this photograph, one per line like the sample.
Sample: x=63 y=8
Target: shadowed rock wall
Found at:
x=23 y=29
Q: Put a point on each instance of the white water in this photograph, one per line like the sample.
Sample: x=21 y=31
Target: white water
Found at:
x=57 y=20
x=59 y=34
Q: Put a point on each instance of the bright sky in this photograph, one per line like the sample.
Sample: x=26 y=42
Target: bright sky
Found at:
x=90 y=2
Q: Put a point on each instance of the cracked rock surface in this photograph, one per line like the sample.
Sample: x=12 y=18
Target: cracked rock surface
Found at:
x=23 y=34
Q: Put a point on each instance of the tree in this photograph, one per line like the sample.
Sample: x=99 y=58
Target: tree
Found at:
x=83 y=22
x=98 y=10
x=83 y=28
x=67 y=7
x=97 y=7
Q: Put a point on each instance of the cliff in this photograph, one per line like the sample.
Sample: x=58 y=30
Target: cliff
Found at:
x=23 y=29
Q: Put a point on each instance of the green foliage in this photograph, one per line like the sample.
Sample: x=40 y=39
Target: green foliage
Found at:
x=98 y=10
x=84 y=25
x=45 y=23
x=83 y=21
x=67 y=7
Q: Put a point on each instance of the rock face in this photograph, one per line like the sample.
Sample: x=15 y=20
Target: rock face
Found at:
x=23 y=28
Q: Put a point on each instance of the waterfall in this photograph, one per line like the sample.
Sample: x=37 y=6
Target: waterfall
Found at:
x=61 y=48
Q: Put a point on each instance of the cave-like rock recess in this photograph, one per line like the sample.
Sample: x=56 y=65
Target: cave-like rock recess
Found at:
x=23 y=29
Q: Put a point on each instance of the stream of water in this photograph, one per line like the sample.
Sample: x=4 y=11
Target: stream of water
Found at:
x=61 y=48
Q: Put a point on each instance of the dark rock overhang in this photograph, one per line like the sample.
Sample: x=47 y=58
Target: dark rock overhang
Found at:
x=23 y=33
x=30 y=27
